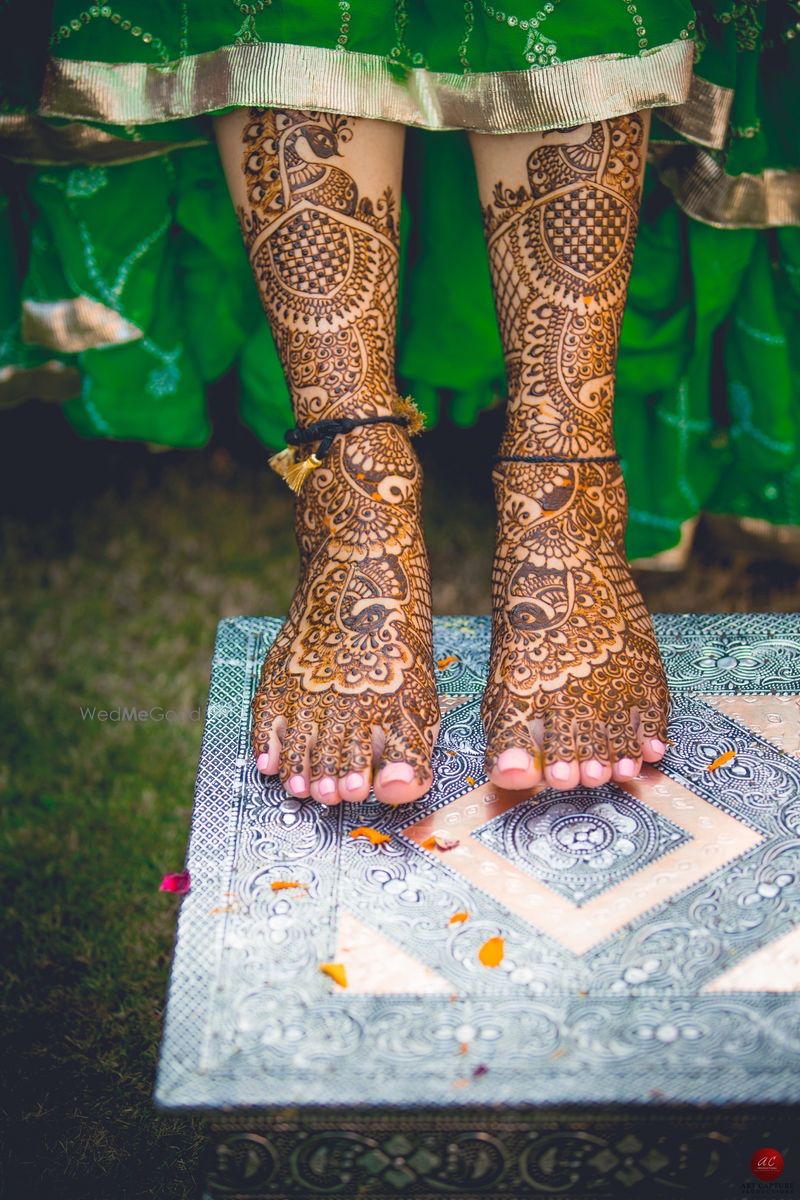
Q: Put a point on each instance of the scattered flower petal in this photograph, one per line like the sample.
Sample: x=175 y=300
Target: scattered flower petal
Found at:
x=492 y=951
x=446 y=843
x=279 y=885
x=438 y=842
x=558 y=1052
x=373 y=835
x=443 y=663
x=471 y=780
x=458 y=918
x=225 y=908
x=336 y=972
x=721 y=761
x=463 y=1047
x=179 y=882
x=481 y=1069
x=460 y=1083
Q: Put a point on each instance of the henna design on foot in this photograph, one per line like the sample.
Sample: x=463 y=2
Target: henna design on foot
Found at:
x=351 y=671
x=576 y=680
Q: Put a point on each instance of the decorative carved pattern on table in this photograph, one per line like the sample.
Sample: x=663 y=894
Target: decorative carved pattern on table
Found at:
x=652 y=951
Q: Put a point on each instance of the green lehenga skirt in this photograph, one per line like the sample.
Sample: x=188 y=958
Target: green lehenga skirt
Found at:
x=136 y=291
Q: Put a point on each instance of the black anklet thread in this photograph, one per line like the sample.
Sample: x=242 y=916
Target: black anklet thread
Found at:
x=325 y=431
x=554 y=458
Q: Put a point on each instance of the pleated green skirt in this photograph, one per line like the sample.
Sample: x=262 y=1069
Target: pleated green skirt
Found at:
x=134 y=290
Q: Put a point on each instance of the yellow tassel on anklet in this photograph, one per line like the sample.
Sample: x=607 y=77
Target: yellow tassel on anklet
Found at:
x=404 y=406
x=293 y=472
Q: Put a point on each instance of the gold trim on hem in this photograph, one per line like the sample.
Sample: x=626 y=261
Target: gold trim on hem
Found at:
x=704 y=116
x=26 y=138
x=76 y=324
x=52 y=382
x=272 y=74
x=702 y=189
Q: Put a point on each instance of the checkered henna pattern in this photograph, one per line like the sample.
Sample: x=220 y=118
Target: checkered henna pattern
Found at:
x=575 y=670
x=354 y=654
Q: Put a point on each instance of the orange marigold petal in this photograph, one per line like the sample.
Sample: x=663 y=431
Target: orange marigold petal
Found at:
x=278 y=885
x=446 y=662
x=429 y=843
x=336 y=972
x=720 y=762
x=457 y=918
x=492 y=951
x=373 y=835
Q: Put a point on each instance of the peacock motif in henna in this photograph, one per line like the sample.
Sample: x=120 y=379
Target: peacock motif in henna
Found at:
x=575 y=669
x=351 y=670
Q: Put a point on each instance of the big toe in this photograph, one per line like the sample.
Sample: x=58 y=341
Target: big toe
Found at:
x=404 y=770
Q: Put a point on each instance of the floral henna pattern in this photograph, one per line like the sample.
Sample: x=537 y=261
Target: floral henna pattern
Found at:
x=572 y=643
x=355 y=652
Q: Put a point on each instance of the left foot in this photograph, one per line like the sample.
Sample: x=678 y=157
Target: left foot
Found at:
x=576 y=691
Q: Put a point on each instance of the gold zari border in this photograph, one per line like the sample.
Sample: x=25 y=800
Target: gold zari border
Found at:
x=271 y=74
x=704 y=191
x=27 y=138
x=704 y=116
x=73 y=325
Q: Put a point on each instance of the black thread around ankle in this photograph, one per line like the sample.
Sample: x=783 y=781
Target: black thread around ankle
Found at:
x=325 y=431
x=554 y=458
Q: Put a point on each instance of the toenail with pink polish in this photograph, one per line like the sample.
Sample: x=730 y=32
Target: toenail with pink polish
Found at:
x=296 y=784
x=397 y=773
x=262 y=762
x=514 y=760
x=326 y=786
x=354 y=781
x=626 y=767
x=561 y=770
x=593 y=768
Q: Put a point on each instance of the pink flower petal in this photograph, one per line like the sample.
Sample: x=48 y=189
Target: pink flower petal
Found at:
x=179 y=882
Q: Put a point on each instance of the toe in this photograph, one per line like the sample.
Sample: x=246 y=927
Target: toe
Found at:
x=295 y=757
x=561 y=768
x=513 y=754
x=325 y=757
x=591 y=747
x=404 y=768
x=355 y=778
x=653 y=749
x=268 y=760
x=518 y=767
x=652 y=735
x=624 y=748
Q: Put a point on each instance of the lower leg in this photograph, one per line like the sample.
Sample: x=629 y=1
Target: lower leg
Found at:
x=576 y=690
x=348 y=684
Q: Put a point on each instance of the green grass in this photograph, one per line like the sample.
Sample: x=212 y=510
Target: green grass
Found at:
x=117 y=567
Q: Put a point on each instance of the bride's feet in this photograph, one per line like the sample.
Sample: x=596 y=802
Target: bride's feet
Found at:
x=347 y=697
x=576 y=691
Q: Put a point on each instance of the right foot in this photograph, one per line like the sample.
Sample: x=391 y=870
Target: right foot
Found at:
x=347 y=696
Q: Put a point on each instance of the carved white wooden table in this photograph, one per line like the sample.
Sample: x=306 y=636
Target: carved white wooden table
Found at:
x=642 y=1034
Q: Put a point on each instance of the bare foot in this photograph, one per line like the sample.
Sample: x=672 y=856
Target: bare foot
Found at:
x=576 y=691
x=347 y=697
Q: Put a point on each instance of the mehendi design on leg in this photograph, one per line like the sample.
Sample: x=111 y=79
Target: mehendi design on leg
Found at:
x=574 y=655
x=355 y=653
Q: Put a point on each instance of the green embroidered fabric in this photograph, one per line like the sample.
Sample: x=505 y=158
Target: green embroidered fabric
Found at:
x=707 y=398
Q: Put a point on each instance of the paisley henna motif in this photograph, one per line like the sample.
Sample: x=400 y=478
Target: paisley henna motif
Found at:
x=355 y=651
x=572 y=642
